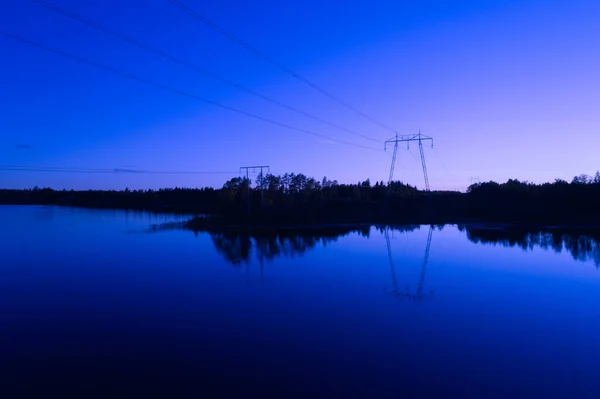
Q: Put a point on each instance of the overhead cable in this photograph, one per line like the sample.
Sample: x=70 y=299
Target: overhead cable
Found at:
x=276 y=63
x=177 y=91
x=194 y=67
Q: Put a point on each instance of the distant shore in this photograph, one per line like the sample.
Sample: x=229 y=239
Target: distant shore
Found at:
x=295 y=200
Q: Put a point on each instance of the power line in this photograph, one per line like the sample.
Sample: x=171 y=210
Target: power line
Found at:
x=274 y=62
x=177 y=91
x=61 y=169
x=193 y=67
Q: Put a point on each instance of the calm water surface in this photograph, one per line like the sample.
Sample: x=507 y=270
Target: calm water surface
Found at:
x=95 y=304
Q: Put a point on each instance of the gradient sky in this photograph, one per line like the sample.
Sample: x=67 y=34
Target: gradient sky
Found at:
x=507 y=89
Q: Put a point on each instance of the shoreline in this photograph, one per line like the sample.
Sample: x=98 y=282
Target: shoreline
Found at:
x=203 y=224
x=346 y=219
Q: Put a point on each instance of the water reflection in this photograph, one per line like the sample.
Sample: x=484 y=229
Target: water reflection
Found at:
x=44 y=213
x=237 y=246
x=157 y=228
x=90 y=310
x=418 y=294
x=581 y=244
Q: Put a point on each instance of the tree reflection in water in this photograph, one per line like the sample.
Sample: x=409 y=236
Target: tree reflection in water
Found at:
x=237 y=246
x=583 y=245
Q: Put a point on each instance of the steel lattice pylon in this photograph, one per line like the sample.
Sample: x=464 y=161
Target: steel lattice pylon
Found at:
x=424 y=165
x=408 y=138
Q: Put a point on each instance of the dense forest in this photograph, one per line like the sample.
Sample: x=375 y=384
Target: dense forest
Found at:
x=575 y=202
x=236 y=196
x=296 y=198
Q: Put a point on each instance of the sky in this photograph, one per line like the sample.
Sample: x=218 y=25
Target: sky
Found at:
x=507 y=89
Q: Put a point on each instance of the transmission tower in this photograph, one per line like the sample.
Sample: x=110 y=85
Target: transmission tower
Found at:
x=390 y=179
x=407 y=139
x=423 y=162
x=253 y=169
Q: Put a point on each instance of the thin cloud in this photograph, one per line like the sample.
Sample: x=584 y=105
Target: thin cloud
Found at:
x=327 y=141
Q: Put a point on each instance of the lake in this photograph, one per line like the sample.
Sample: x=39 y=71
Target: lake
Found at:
x=96 y=303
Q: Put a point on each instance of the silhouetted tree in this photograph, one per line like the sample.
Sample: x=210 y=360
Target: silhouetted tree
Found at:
x=582 y=179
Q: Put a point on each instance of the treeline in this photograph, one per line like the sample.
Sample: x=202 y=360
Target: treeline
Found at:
x=164 y=200
x=236 y=196
x=290 y=189
x=575 y=202
x=296 y=198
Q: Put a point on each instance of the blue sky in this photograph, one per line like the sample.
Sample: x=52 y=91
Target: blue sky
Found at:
x=506 y=88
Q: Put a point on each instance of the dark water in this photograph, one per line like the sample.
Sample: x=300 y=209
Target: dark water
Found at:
x=92 y=304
